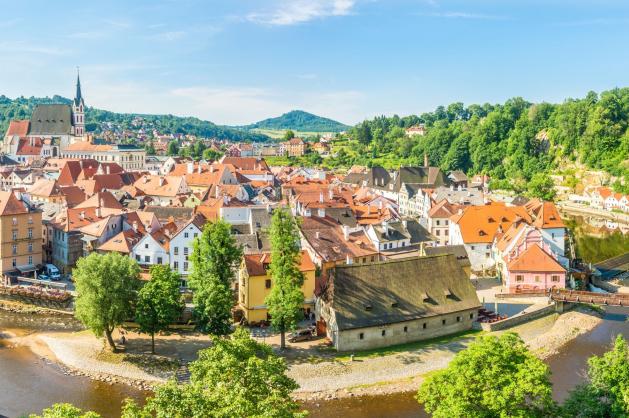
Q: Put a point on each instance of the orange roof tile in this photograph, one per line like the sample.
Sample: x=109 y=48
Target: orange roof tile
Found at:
x=479 y=224
x=18 y=127
x=535 y=259
x=257 y=264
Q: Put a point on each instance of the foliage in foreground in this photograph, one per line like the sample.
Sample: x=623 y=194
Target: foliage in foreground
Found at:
x=235 y=377
x=214 y=257
x=493 y=377
x=106 y=287
x=286 y=300
x=64 y=410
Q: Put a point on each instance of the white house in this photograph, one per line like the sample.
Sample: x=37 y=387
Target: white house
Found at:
x=180 y=246
x=152 y=249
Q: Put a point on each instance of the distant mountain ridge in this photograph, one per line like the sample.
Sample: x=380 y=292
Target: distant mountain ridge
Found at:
x=298 y=120
x=22 y=108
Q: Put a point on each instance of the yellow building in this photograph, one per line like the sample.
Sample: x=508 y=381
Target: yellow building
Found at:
x=255 y=283
x=20 y=235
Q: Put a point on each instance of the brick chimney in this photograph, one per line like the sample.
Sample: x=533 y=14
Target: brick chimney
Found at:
x=425 y=159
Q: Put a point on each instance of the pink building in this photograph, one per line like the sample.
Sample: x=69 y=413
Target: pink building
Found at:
x=534 y=269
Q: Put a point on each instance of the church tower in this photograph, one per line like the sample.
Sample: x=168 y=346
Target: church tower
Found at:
x=78 y=110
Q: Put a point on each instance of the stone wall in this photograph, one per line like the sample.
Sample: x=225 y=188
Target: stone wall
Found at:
x=404 y=332
x=519 y=318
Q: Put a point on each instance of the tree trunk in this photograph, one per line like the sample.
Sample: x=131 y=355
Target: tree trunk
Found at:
x=110 y=340
x=282 y=335
x=152 y=342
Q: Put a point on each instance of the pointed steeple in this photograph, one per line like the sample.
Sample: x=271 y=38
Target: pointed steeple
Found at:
x=78 y=98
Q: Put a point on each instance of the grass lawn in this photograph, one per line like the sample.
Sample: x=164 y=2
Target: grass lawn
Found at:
x=385 y=351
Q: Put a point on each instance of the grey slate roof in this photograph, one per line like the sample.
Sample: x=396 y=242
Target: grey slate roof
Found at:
x=377 y=294
x=458 y=250
x=51 y=119
x=613 y=267
x=397 y=231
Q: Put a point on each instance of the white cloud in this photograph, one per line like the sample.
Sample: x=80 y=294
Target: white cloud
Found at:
x=292 y=12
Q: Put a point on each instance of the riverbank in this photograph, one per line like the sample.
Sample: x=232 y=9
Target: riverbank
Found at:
x=319 y=377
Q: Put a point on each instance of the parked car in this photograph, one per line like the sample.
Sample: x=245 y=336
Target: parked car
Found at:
x=301 y=335
x=43 y=277
x=52 y=271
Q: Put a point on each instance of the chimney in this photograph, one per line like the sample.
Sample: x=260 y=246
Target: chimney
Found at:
x=317 y=234
x=162 y=181
x=385 y=227
x=321 y=197
x=199 y=169
x=97 y=211
x=331 y=194
x=425 y=159
x=346 y=232
x=348 y=259
x=380 y=205
x=190 y=168
x=82 y=215
x=135 y=226
x=405 y=223
x=368 y=209
x=146 y=179
x=101 y=202
x=108 y=169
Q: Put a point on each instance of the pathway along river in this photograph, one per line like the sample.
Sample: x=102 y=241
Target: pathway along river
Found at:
x=30 y=384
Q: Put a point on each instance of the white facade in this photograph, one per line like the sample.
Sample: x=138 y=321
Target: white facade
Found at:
x=480 y=253
x=148 y=251
x=180 y=249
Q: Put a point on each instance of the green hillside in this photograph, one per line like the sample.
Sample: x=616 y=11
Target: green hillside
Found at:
x=298 y=120
x=22 y=107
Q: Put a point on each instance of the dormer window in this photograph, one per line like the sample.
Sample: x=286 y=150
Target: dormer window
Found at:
x=490 y=220
x=368 y=307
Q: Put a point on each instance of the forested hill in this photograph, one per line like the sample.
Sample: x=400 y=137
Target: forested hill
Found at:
x=21 y=108
x=513 y=142
x=298 y=120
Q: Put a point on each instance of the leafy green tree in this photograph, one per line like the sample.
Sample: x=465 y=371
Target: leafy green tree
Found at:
x=607 y=392
x=106 y=287
x=541 y=186
x=286 y=300
x=173 y=148
x=235 y=377
x=288 y=135
x=493 y=377
x=215 y=256
x=150 y=148
x=64 y=410
x=211 y=154
x=159 y=302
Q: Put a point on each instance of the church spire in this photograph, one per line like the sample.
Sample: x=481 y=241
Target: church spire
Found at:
x=79 y=98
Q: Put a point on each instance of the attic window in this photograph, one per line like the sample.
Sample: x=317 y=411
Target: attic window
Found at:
x=450 y=295
x=425 y=297
x=368 y=307
x=482 y=233
x=490 y=220
x=504 y=219
x=395 y=304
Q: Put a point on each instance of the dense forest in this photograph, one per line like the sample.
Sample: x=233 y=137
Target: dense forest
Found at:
x=21 y=108
x=517 y=143
x=298 y=120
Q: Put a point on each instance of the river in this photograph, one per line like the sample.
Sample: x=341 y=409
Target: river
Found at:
x=30 y=384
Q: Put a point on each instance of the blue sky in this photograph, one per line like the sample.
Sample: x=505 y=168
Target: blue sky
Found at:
x=238 y=61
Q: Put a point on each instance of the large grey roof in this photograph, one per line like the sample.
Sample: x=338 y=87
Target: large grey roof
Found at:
x=377 y=294
x=51 y=119
x=459 y=252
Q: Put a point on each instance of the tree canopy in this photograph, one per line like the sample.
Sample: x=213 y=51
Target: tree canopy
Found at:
x=235 y=377
x=159 y=302
x=493 y=377
x=106 y=287
x=214 y=258
x=286 y=300
x=64 y=410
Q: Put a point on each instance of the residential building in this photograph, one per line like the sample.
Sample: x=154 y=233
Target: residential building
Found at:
x=295 y=147
x=255 y=284
x=180 y=246
x=20 y=235
x=129 y=157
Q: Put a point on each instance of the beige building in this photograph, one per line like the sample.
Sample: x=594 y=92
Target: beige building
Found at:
x=20 y=235
x=129 y=157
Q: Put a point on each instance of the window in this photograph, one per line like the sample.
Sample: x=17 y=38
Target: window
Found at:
x=30 y=232
x=537 y=279
x=30 y=247
x=372 y=258
x=437 y=232
x=146 y=246
x=437 y=222
x=14 y=234
x=552 y=235
x=30 y=259
x=519 y=278
x=447 y=232
x=472 y=247
x=196 y=234
x=472 y=315
x=185 y=266
x=361 y=336
x=554 y=278
x=384 y=332
x=185 y=235
x=424 y=325
x=14 y=262
x=185 y=250
x=443 y=322
x=458 y=319
x=137 y=257
x=159 y=260
x=14 y=249
x=267 y=283
x=30 y=219
x=14 y=221
x=147 y=258
x=176 y=265
x=176 y=250
x=405 y=329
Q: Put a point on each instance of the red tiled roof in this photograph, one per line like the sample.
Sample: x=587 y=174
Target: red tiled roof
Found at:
x=18 y=127
x=257 y=264
x=535 y=259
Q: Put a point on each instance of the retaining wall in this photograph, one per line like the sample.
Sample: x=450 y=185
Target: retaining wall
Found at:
x=518 y=319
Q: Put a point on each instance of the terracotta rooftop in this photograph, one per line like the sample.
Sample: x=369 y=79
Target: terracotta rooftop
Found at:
x=257 y=264
x=535 y=259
